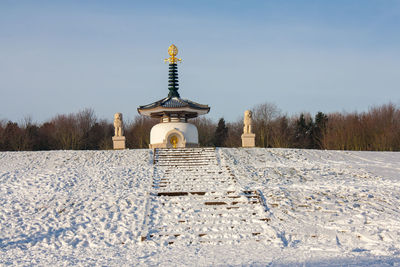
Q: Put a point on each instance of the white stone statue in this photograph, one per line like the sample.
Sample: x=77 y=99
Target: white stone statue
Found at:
x=248 y=121
x=118 y=125
x=248 y=137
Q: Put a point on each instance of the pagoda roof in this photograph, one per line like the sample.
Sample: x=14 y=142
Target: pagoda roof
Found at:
x=174 y=105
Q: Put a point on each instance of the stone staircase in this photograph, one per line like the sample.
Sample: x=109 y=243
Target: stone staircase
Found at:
x=196 y=199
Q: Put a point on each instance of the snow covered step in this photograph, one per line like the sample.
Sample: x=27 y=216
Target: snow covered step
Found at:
x=185 y=154
x=185 y=163
x=193 y=188
x=195 y=176
x=208 y=213
x=217 y=234
x=160 y=158
x=185 y=241
x=179 y=155
x=229 y=219
x=195 y=199
x=213 y=235
x=208 y=170
x=198 y=178
x=201 y=176
x=186 y=159
x=194 y=149
x=194 y=181
x=208 y=199
x=164 y=159
x=194 y=185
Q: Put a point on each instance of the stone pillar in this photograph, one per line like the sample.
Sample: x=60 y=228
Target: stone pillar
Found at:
x=118 y=138
x=248 y=137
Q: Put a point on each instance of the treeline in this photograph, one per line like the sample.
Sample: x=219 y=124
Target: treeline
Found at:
x=377 y=129
x=78 y=131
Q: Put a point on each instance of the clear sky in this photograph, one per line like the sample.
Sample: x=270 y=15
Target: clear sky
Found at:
x=58 y=57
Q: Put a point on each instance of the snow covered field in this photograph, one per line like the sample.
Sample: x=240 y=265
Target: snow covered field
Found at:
x=328 y=208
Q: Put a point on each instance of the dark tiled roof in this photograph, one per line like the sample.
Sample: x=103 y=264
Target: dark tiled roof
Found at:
x=175 y=102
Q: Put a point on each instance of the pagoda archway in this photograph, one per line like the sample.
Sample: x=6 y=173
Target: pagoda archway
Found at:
x=175 y=139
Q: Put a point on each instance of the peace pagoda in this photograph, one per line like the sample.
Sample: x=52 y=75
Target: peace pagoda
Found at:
x=173 y=131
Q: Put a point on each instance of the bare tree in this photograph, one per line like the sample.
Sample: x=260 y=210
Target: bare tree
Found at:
x=66 y=131
x=85 y=120
x=138 y=132
x=206 y=129
x=282 y=132
x=235 y=130
x=263 y=115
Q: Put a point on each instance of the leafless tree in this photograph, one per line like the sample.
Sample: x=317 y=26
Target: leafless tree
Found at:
x=235 y=130
x=206 y=129
x=263 y=115
x=138 y=132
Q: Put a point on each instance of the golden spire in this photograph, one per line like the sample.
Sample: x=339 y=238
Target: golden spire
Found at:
x=172 y=51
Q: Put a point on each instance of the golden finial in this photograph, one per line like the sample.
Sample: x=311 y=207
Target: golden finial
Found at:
x=172 y=51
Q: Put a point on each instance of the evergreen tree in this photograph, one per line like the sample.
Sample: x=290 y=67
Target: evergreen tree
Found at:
x=303 y=133
x=31 y=138
x=319 y=130
x=221 y=133
x=94 y=136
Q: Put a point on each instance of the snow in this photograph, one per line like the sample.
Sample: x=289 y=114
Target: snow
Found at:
x=329 y=208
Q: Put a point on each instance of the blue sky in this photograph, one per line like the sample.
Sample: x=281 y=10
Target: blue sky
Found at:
x=58 y=57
